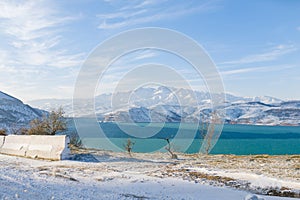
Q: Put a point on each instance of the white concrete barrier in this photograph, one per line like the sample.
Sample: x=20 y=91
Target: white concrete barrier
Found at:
x=36 y=146
x=15 y=145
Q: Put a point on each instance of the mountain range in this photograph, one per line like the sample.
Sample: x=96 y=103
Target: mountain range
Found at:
x=160 y=104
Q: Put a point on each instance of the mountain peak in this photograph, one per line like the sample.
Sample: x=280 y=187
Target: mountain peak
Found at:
x=267 y=99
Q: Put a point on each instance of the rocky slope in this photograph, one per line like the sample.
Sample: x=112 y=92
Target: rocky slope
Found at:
x=14 y=114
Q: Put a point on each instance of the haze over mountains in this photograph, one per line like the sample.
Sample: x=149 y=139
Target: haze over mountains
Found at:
x=159 y=104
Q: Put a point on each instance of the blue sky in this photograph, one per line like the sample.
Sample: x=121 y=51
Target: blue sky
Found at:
x=255 y=44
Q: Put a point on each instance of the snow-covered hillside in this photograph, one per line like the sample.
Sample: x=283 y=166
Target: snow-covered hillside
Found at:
x=15 y=114
x=174 y=105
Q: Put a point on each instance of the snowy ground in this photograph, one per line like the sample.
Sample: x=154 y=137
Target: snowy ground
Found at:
x=107 y=175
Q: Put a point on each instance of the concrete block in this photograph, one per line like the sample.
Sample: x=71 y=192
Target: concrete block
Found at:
x=36 y=146
x=48 y=147
x=15 y=145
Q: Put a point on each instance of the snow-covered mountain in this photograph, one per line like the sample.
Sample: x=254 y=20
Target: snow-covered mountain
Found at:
x=161 y=104
x=15 y=114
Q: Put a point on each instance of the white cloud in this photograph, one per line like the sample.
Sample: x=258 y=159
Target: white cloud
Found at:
x=34 y=63
x=258 y=69
x=27 y=20
x=239 y=71
x=271 y=55
x=31 y=30
x=150 y=11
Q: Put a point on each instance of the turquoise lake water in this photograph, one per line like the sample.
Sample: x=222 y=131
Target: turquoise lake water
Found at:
x=235 y=139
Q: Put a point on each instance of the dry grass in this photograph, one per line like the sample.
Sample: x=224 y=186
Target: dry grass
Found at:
x=277 y=166
x=222 y=179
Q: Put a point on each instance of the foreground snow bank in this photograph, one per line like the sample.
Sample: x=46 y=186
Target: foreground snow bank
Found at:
x=104 y=175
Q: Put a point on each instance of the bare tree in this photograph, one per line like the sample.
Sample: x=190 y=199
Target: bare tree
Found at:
x=14 y=130
x=209 y=137
x=56 y=122
x=48 y=125
x=128 y=146
x=208 y=132
x=169 y=149
x=38 y=127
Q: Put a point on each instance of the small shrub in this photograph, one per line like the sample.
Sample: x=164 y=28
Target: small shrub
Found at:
x=3 y=132
x=75 y=141
x=23 y=131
